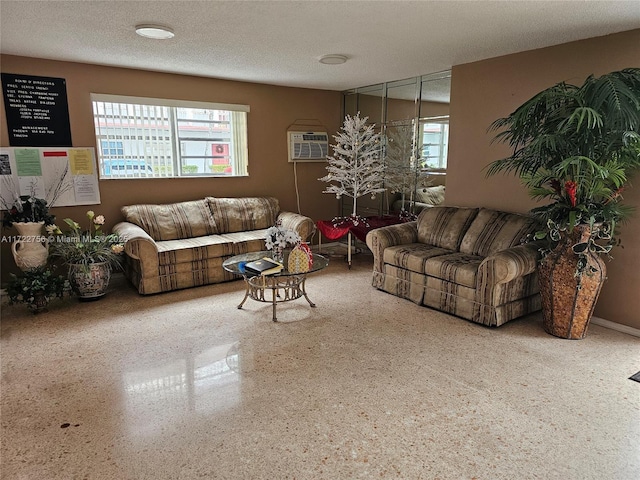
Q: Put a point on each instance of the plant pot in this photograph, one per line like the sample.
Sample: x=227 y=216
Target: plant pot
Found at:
x=90 y=281
x=40 y=303
x=31 y=249
x=568 y=300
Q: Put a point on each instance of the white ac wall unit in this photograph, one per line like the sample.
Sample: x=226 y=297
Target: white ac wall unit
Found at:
x=308 y=146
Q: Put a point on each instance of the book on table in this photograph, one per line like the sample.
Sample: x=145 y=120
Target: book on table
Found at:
x=263 y=266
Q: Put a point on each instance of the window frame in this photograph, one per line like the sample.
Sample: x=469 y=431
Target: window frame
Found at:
x=443 y=145
x=159 y=146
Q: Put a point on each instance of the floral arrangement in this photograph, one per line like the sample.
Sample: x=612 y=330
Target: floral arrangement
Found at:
x=27 y=208
x=582 y=193
x=31 y=208
x=279 y=237
x=86 y=247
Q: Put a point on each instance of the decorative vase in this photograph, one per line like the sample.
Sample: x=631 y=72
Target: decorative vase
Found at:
x=568 y=300
x=31 y=249
x=277 y=254
x=40 y=303
x=90 y=281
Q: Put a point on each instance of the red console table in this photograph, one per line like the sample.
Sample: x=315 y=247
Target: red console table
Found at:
x=331 y=232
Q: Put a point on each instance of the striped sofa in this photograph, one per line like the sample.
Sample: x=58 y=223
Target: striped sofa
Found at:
x=469 y=262
x=183 y=245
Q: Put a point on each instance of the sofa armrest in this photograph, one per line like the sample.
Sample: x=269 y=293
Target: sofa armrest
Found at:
x=305 y=227
x=381 y=238
x=138 y=245
x=507 y=276
x=512 y=263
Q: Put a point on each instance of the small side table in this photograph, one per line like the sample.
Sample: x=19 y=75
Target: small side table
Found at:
x=331 y=232
x=284 y=286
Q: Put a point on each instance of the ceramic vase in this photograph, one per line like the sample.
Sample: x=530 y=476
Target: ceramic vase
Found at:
x=90 y=281
x=277 y=254
x=568 y=300
x=31 y=249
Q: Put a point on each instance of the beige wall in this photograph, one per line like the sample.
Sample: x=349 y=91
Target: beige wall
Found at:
x=434 y=109
x=273 y=110
x=484 y=91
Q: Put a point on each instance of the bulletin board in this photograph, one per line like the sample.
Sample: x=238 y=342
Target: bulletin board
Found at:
x=64 y=176
x=37 y=111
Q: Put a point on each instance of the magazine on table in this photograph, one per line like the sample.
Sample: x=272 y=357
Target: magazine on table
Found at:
x=263 y=266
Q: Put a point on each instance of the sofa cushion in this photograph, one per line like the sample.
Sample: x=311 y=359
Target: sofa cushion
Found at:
x=249 y=241
x=412 y=256
x=444 y=226
x=172 y=221
x=242 y=214
x=193 y=249
x=459 y=268
x=493 y=231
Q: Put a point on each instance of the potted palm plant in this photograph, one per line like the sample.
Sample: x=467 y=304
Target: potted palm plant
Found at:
x=91 y=255
x=575 y=146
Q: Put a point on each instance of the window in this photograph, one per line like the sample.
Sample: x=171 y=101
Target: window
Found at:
x=154 y=138
x=434 y=142
x=112 y=149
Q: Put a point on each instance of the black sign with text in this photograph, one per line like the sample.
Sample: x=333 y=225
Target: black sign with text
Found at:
x=37 y=111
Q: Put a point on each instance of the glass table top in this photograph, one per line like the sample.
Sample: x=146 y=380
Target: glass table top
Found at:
x=236 y=264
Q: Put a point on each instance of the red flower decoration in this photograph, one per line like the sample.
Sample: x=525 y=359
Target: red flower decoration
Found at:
x=571 y=188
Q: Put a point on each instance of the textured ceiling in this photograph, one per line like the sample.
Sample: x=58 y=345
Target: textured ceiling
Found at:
x=279 y=42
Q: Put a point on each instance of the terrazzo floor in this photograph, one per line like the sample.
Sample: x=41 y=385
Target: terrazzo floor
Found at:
x=183 y=385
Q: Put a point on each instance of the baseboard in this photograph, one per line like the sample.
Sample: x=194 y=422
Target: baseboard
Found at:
x=616 y=326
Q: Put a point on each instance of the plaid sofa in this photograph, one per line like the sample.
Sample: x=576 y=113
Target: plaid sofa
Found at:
x=469 y=262
x=183 y=245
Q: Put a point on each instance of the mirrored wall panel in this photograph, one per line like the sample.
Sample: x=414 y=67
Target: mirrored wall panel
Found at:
x=413 y=117
x=402 y=100
x=433 y=134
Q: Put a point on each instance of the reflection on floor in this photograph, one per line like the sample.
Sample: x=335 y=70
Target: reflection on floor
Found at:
x=205 y=383
x=183 y=385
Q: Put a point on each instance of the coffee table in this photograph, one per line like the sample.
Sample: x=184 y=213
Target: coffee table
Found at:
x=284 y=286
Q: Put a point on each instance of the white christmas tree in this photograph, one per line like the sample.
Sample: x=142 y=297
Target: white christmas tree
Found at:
x=400 y=175
x=403 y=175
x=356 y=168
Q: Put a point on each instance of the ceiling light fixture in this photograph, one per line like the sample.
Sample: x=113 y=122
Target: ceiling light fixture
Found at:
x=158 y=32
x=333 y=59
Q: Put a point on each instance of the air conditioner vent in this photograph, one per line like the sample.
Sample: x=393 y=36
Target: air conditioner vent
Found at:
x=308 y=146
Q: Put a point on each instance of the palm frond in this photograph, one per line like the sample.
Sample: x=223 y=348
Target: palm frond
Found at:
x=578 y=117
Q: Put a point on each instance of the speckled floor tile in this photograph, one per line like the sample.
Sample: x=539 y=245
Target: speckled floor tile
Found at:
x=183 y=385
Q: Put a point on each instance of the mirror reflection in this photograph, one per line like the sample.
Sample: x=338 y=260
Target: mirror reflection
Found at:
x=402 y=100
x=413 y=116
x=434 y=121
